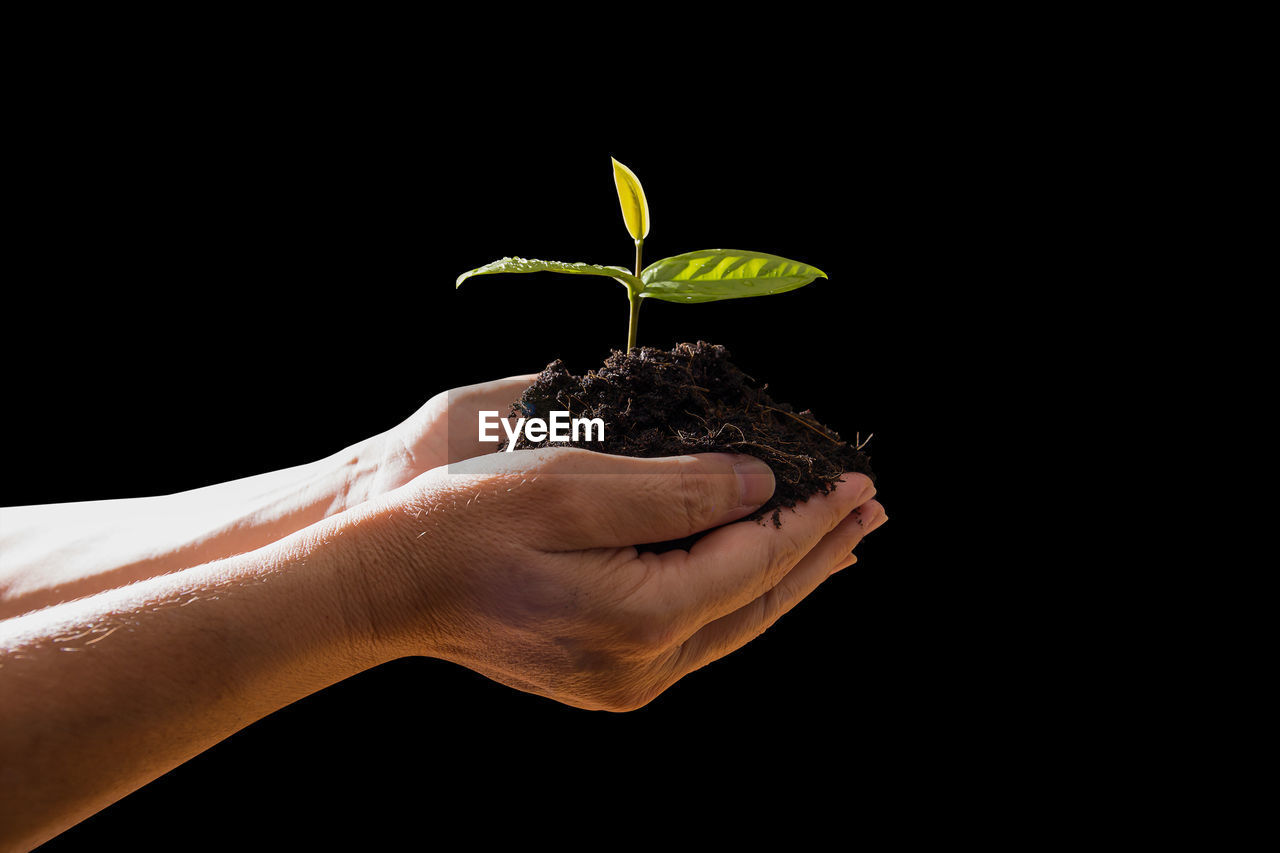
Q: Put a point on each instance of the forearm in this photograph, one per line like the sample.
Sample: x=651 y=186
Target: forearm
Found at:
x=57 y=552
x=101 y=695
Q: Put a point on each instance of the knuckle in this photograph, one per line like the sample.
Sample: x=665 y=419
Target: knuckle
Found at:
x=776 y=563
x=699 y=499
x=770 y=607
x=831 y=515
x=782 y=556
x=858 y=523
x=563 y=461
x=548 y=463
x=558 y=472
x=546 y=472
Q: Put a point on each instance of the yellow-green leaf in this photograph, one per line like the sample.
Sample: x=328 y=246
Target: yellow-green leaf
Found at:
x=635 y=208
x=535 y=265
x=712 y=274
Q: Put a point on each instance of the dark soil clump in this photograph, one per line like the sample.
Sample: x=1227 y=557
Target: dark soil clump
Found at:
x=692 y=399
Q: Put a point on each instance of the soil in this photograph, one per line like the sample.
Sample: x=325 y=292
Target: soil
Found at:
x=692 y=399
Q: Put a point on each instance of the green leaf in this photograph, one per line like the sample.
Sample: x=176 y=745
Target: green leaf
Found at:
x=535 y=265
x=713 y=274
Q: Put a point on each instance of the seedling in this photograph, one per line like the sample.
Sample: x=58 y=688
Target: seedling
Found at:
x=704 y=276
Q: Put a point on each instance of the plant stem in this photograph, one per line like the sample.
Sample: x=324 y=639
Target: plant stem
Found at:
x=634 y=299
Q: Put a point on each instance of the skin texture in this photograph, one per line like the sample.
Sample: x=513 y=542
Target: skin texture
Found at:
x=58 y=552
x=556 y=600
x=520 y=566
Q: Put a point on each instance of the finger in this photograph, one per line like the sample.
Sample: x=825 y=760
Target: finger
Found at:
x=498 y=389
x=605 y=501
x=498 y=395
x=733 y=631
x=849 y=561
x=867 y=528
x=731 y=567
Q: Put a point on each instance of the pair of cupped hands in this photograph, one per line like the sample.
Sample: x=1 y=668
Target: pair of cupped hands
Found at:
x=523 y=566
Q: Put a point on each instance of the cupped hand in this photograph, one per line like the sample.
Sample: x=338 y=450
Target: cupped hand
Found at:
x=523 y=567
x=443 y=431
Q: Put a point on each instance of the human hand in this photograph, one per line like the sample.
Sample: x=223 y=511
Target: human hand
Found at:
x=523 y=567
x=443 y=431
x=119 y=542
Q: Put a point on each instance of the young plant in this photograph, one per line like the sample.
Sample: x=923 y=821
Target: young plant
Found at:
x=702 y=276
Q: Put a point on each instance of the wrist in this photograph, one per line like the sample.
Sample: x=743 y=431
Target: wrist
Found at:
x=399 y=577
x=348 y=478
x=331 y=568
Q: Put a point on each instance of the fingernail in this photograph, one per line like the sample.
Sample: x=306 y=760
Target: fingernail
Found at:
x=755 y=481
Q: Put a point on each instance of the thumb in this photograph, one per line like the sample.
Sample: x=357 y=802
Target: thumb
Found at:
x=615 y=501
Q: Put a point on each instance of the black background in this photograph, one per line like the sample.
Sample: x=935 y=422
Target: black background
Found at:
x=220 y=286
